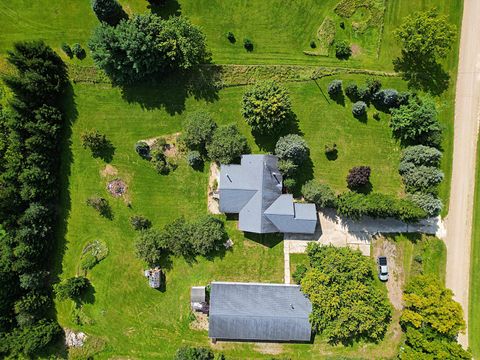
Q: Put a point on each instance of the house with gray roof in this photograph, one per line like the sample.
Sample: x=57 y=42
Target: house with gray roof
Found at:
x=253 y=189
x=259 y=312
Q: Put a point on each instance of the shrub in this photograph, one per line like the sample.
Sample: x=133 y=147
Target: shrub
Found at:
x=352 y=92
x=95 y=141
x=292 y=147
x=231 y=37
x=194 y=353
x=160 y=163
x=422 y=178
x=78 y=51
x=108 y=11
x=287 y=167
x=387 y=98
x=72 y=288
x=377 y=205
x=266 y=107
x=428 y=202
x=342 y=50
x=289 y=184
x=208 y=234
x=227 y=144
x=376 y=115
x=140 y=222
x=319 y=194
x=335 y=88
x=415 y=121
x=141 y=48
x=331 y=151
x=299 y=273
x=373 y=85
x=67 y=50
x=358 y=176
x=150 y=247
x=313 y=44
x=359 y=109
x=88 y=262
x=100 y=204
x=248 y=45
x=142 y=149
x=422 y=155
x=194 y=159
x=198 y=130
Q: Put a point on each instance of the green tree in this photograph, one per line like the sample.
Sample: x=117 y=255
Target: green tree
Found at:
x=319 y=194
x=416 y=121
x=421 y=155
x=198 y=130
x=30 y=340
x=72 y=288
x=346 y=304
x=194 y=353
x=266 y=107
x=94 y=140
x=150 y=247
x=147 y=46
x=227 y=144
x=207 y=235
x=176 y=237
x=292 y=147
x=426 y=34
x=109 y=11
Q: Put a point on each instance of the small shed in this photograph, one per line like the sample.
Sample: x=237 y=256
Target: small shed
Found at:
x=154 y=277
x=198 y=298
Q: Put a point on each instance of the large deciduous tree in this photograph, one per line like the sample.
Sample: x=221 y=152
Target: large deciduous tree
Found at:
x=108 y=11
x=227 y=144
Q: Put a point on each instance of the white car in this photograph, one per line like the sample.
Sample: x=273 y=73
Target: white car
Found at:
x=382 y=268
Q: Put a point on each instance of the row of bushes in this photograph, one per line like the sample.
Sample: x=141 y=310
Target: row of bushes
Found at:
x=202 y=237
x=30 y=143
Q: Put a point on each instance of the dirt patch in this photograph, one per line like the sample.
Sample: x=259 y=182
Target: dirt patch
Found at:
x=117 y=187
x=109 y=170
x=212 y=198
x=396 y=279
x=200 y=322
x=269 y=348
x=356 y=49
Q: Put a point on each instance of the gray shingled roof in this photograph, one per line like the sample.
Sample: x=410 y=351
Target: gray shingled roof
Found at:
x=253 y=189
x=253 y=311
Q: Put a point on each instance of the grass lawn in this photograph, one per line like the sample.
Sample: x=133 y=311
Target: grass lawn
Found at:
x=474 y=305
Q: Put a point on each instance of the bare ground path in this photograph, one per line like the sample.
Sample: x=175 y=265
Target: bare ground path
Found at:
x=459 y=219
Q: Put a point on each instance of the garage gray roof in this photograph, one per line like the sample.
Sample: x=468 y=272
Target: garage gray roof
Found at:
x=253 y=189
x=256 y=311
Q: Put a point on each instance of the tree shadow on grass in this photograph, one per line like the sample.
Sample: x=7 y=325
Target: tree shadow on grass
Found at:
x=365 y=189
x=165 y=8
x=304 y=173
x=338 y=98
x=422 y=73
x=268 y=240
x=171 y=92
x=362 y=118
x=106 y=152
x=267 y=142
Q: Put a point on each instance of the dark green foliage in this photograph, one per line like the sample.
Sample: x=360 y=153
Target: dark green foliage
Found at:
x=358 y=177
x=421 y=155
x=292 y=147
x=313 y=44
x=335 y=88
x=67 y=50
x=422 y=178
x=108 y=11
x=207 y=235
x=386 y=99
x=377 y=205
x=289 y=184
x=198 y=130
x=331 y=151
x=78 y=51
x=266 y=107
x=432 y=321
x=72 y=288
x=248 y=44
x=373 y=86
x=100 y=204
x=194 y=353
x=415 y=122
x=94 y=141
x=346 y=303
x=140 y=222
x=147 y=46
x=428 y=202
x=194 y=159
x=319 y=194
x=359 y=109
x=149 y=247
x=352 y=92
x=227 y=144
x=31 y=339
x=299 y=273
x=161 y=163
x=142 y=149
x=231 y=37
x=342 y=50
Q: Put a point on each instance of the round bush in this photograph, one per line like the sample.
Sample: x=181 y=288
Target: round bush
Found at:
x=78 y=51
x=422 y=155
x=231 y=37
x=359 y=109
x=289 y=183
x=142 y=149
x=227 y=144
x=67 y=50
x=248 y=45
x=335 y=88
x=352 y=92
x=287 y=167
x=194 y=159
x=358 y=176
x=387 y=98
x=313 y=45
x=428 y=202
x=319 y=194
x=422 y=178
x=292 y=147
x=198 y=130
x=139 y=222
x=342 y=50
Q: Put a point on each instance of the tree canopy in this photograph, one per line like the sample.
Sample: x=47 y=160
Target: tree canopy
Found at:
x=292 y=147
x=227 y=144
x=147 y=46
x=198 y=130
x=266 y=107
x=108 y=11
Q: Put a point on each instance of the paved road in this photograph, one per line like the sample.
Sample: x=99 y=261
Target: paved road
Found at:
x=459 y=219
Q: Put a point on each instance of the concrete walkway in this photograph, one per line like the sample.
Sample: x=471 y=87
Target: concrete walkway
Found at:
x=459 y=219
x=339 y=231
